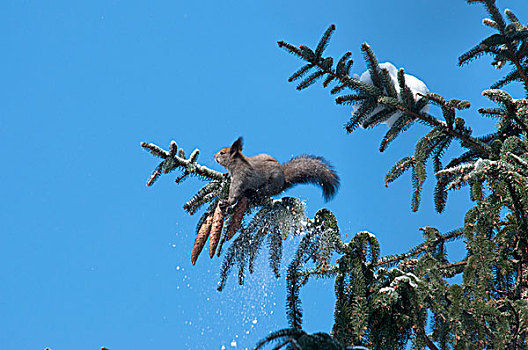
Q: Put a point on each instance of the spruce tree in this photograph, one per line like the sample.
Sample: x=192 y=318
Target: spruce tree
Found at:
x=385 y=302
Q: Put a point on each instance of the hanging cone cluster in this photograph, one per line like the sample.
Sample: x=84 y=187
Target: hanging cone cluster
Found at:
x=201 y=238
x=216 y=230
x=212 y=228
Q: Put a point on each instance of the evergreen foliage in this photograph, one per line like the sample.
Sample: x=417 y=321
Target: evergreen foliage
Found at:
x=271 y=219
x=387 y=302
x=297 y=339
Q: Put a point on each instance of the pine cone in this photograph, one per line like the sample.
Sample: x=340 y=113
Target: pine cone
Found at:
x=236 y=217
x=216 y=230
x=201 y=238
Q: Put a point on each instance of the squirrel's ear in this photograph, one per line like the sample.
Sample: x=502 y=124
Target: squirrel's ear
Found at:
x=237 y=145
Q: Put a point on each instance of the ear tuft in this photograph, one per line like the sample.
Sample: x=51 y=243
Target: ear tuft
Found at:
x=237 y=145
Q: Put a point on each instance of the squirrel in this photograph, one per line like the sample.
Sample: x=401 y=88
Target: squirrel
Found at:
x=262 y=175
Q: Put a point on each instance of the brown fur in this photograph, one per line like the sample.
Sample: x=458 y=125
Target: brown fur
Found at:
x=262 y=175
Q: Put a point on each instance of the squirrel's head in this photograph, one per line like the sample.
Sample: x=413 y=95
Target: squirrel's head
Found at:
x=227 y=155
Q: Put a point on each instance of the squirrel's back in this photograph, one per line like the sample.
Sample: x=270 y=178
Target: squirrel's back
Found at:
x=311 y=169
x=263 y=175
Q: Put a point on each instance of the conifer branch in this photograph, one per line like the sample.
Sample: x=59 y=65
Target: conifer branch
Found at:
x=355 y=84
x=518 y=65
x=493 y=11
x=420 y=249
x=428 y=340
x=323 y=272
x=391 y=260
x=473 y=143
x=517 y=208
x=452 y=265
x=507 y=37
x=173 y=161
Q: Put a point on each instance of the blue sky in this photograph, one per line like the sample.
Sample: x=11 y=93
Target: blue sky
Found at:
x=90 y=257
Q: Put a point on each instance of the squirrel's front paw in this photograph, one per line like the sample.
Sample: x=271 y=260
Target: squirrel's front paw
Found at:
x=223 y=204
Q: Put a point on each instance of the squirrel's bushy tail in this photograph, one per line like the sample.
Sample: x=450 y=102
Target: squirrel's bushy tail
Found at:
x=311 y=169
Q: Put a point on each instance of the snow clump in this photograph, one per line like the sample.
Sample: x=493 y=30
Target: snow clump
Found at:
x=416 y=85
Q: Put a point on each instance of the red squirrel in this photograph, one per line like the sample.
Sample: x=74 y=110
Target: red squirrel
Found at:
x=262 y=175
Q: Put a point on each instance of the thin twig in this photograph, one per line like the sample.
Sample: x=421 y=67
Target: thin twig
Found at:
x=429 y=342
x=320 y=272
x=448 y=266
x=518 y=65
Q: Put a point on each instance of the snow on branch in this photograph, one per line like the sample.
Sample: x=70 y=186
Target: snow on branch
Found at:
x=415 y=86
x=174 y=158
